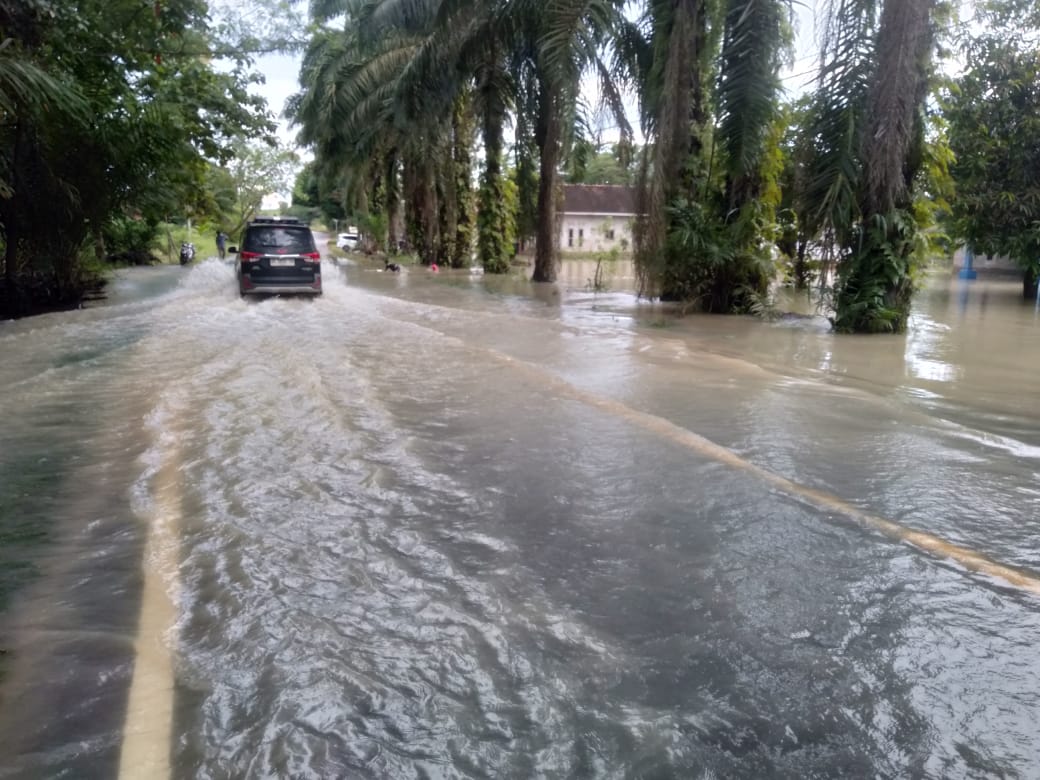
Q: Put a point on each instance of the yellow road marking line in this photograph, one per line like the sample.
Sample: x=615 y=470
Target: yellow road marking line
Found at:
x=922 y=540
x=148 y=728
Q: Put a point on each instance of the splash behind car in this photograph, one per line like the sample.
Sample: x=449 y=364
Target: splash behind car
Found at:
x=278 y=256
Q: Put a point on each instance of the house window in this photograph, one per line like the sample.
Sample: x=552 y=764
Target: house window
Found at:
x=581 y=237
x=610 y=234
x=570 y=237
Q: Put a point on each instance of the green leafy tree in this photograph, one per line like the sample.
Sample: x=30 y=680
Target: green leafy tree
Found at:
x=876 y=277
x=794 y=228
x=602 y=167
x=316 y=192
x=110 y=110
x=255 y=171
x=492 y=95
x=559 y=45
x=993 y=115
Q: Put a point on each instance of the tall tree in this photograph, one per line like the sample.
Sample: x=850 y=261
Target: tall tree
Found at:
x=255 y=171
x=493 y=90
x=463 y=133
x=867 y=132
x=149 y=109
x=993 y=115
x=566 y=41
x=710 y=88
x=389 y=83
x=675 y=76
x=876 y=277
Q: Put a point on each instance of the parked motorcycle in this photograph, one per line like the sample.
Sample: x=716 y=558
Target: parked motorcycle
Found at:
x=187 y=252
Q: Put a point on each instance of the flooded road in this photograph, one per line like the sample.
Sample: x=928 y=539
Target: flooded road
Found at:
x=449 y=526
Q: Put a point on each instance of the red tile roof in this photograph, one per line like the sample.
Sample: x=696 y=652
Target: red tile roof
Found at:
x=598 y=199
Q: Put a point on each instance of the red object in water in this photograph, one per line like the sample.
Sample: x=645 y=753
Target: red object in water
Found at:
x=433 y=266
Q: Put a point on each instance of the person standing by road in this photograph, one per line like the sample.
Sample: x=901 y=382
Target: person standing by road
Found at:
x=221 y=243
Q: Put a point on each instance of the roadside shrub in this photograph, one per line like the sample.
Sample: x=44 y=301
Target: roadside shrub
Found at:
x=130 y=241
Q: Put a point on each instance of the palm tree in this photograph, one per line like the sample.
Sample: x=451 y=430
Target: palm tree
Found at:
x=28 y=90
x=352 y=111
x=417 y=73
x=463 y=125
x=492 y=97
x=710 y=88
x=748 y=134
x=877 y=281
x=867 y=132
x=558 y=45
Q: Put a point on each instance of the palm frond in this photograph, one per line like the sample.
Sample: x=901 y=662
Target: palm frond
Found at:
x=25 y=87
x=749 y=85
x=830 y=201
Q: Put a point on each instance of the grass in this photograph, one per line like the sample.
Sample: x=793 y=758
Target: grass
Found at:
x=171 y=236
x=376 y=258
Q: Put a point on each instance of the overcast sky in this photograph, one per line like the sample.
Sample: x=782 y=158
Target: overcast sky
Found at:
x=280 y=72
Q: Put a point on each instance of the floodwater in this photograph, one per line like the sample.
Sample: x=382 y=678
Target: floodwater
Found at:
x=443 y=526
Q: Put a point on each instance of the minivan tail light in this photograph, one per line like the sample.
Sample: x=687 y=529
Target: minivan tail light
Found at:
x=247 y=256
x=314 y=256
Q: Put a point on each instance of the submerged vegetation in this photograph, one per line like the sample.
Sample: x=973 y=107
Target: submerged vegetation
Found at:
x=447 y=127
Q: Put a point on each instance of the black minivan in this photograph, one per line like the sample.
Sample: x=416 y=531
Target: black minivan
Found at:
x=277 y=256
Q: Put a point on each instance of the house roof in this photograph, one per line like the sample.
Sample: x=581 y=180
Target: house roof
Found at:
x=598 y=199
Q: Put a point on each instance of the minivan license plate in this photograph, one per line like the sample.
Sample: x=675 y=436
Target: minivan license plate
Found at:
x=279 y=263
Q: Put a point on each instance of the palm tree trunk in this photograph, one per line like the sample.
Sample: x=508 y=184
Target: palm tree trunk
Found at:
x=546 y=252
x=429 y=213
x=447 y=215
x=491 y=207
x=11 y=297
x=377 y=204
x=900 y=88
x=360 y=199
x=1030 y=283
x=393 y=203
x=676 y=165
x=686 y=111
x=877 y=284
x=462 y=154
x=413 y=204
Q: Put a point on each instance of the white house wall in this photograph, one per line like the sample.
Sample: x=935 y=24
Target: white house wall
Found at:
x=590 y=233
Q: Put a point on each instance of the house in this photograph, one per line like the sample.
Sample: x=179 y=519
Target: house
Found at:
x=597 y=218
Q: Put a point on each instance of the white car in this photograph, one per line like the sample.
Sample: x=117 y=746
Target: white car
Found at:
x=348 y=240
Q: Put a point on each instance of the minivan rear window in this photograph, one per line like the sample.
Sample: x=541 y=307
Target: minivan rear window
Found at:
x=267 y=239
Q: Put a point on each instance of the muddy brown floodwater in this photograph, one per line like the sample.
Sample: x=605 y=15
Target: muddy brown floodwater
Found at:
x=447 y=526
